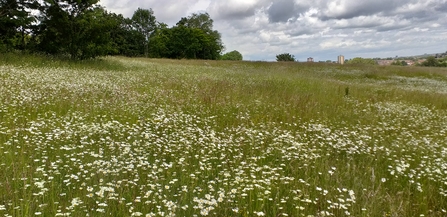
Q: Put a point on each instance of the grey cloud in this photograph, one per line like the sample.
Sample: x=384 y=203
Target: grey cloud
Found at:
x=299 y=31
x=408 y=9
x=377 y=23
x=354 y=8
x=442 y=7
x=356 y=25
x=222 y=13
x=420 y=15
x=168 y=11
x=281 y=11
x=235 y=9
x=386 y=28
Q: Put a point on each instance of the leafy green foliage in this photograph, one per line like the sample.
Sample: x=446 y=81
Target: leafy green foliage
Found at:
x=158 y=41
x=362 y=61
x=233 y=55
x=207 y=43
x=144 y=21
x=431 y=61
x=81 y=31
x=189 y=43
x=285 y=57
x=125 y=39
x=191 y=38
x=442 y=62
x=15 y=22
x=197 y=21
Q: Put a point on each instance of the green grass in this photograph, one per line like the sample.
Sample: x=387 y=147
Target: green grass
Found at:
x=129 y=137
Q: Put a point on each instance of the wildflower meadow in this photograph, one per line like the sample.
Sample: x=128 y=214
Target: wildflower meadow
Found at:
x=144 y=137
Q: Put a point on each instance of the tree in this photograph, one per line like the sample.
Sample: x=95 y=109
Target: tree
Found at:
x=233 y=55
x=285 y=57
x=442 y=62
x=362 y=61
x=431 y=61
x=76 y=28
x=212 y=44
x=159 y=41
x=192 y=38
x=126 y=40
x=15 y=22
x=189 y=43
x=143 y=20
x=199 y=21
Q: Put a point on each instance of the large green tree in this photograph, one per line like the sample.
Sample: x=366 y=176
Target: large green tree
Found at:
x=159 y=42
x=206 y=42
x=198 y=21
x=144 y=21
x=15 y=23
x=430 y=61
x=77 y=28
x=127 y=41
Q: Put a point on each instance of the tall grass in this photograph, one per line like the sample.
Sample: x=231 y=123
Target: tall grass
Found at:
x=145 y=137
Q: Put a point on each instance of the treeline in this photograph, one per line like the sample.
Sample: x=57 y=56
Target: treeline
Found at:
x=81 y=29
x=432 y=61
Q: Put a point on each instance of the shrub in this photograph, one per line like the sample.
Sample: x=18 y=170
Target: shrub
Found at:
x=359 y=60
x=285 y=57
x=233 y=55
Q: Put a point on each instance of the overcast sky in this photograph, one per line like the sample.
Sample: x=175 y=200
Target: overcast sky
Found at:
x=322 y=29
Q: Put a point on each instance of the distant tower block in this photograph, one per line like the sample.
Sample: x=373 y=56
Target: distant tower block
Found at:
x=341 y=59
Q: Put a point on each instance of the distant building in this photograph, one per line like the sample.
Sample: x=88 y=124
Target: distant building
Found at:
x=310 y=60
x=389 y=62
x=341 y=59
x=384 y=62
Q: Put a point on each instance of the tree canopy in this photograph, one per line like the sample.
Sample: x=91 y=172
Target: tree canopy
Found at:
x=15 y=22
x=81 y=29
x=191 y=38
x=430 y=61
x=364 y=61
x=75 y=28
x=144 y=22
x=285 y=57
x=233 y=55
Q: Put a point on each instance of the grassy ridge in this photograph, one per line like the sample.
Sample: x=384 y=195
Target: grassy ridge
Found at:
x=131 y=137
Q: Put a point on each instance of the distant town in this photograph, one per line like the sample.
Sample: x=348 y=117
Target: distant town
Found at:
x=406 y=61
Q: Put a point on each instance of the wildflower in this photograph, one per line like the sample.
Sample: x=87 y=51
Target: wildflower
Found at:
x=260 y=213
